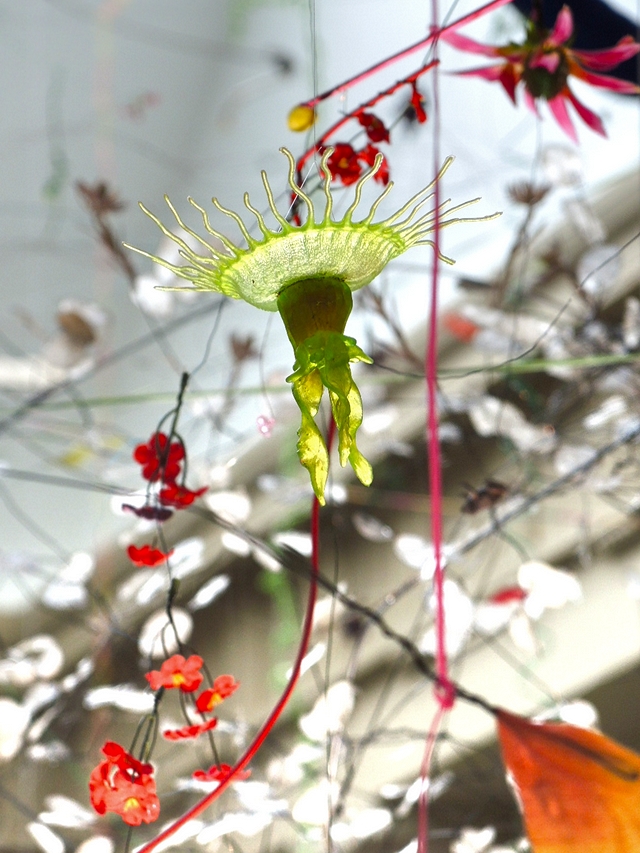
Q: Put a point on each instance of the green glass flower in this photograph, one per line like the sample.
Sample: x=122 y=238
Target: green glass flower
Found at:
x=307 y=272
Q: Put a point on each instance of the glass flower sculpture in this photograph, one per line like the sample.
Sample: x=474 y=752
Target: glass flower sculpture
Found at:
x=307 y=273
x=543 y=64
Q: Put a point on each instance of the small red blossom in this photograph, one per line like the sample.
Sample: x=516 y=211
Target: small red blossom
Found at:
x=461 y=328
x=218 y=773
x=543 y=64
x=190 y=731
x=177 y=672
x=125 y=786
x=368 y=155
x=147 y=556
x=150 y=513
x=344 y=164
x=179 y=496
x=508 y=595
x=223 y=687
x=417 y=103
x=374 y=127
x=159 y=459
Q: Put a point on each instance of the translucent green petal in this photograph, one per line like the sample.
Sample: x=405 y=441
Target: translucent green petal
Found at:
x=312 y=450
x=323 y=360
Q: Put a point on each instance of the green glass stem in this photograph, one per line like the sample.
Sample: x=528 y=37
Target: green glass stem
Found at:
x=315 y=312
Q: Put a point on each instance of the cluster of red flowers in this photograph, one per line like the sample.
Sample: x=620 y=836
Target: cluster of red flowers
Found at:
x=161 y=461
x=125 y=786
x=347 y=164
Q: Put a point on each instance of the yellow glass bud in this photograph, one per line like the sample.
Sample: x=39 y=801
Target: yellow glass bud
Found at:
x=301 y=118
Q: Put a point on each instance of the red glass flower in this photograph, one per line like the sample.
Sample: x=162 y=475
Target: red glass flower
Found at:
x=147 y=556
x=368 y=155
x=125 y=786
x=543 y=64
x=374 y=127
x=190 y=731
x=178 y=496
x=344 y=164
x=177 y=672
x=223 y=686
x=159 y=459
x=417 y=102
x=219 y=772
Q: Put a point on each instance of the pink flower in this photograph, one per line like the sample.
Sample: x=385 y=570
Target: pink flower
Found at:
x=177 y=672
x=543 y=64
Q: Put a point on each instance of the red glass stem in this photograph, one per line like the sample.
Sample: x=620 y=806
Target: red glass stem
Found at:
x=406 y=81
x=407 y=51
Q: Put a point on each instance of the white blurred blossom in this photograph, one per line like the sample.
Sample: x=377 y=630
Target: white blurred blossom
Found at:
x=145 y=295
x=296 y=540
x=46 y=840
x=209 y=591
x=122 y=696
x=313 y=807
x=232 y=506
x=458 y=621
x=473 y=840
x=63 y=811
x=96 y=844
x=330 y=712
x=39 y=656
x=157 y=638
x=361 y=825
x=371 y=528
x=547 y=587
x=491 y=416
x=14 y=720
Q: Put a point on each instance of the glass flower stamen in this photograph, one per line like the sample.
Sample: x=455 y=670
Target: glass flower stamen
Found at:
x=307 y=272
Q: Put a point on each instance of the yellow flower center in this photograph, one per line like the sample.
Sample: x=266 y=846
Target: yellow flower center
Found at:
x=178 y=679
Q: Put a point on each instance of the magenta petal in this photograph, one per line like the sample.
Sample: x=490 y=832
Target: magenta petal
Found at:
x=548 y=61
x=470 y=45
x=603 y=81
x=587 y=116
x=492 y=72
x=604 y=60
x=558 y=107
x=509 y=80
x=563 y=27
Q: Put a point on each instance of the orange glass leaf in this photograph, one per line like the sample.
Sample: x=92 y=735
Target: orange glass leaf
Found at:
x=579 y=790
